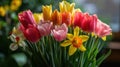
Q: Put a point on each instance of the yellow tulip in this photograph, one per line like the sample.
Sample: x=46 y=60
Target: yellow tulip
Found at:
x=77 y=10
x=47 y=11
x=38 y=17
x=66 y=6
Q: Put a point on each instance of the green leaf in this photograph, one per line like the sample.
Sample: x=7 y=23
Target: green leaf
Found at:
x=102 y=58
x=94 y=63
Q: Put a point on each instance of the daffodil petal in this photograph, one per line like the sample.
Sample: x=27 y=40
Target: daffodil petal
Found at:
x=13 y=46
x=72 y=50
x=65 y=43
x=82 y=48
x=84 y=38
x=70 y=36
x=22 y=44
x=104 y=38
x=76 y=31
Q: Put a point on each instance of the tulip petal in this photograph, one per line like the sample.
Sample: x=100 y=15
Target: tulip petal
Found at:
x=66 y=6
x=66 y=18
x=84 y=38
x=72 y=50
x=60 y=32
x=47 y=11
x=66 y=43
x=71 y=7
x=77 y=10
x=32 y=34
x=102 y=29
x=82 y=48
x=56 y=17
x=38 y=17
x=76 y=31
x=26 y=18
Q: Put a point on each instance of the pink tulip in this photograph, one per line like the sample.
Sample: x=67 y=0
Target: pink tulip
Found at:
x=85 y=21
x=28 y=26
x=45 y=27
x=60 y=32
x=102 y=29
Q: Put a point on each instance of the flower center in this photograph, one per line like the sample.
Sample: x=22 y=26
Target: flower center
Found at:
x=17 y=39
x=77 y=42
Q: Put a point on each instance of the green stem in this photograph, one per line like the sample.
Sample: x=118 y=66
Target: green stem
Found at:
x=51 y=51
x=82 y=61
x=44 y=58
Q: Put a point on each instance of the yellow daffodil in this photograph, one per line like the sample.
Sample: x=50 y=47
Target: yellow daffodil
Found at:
x=2 y=11
x=38 y=17
x=15 y=4
x=75 y=41
x=47 y=11
x=66 y=6
x=56 y=17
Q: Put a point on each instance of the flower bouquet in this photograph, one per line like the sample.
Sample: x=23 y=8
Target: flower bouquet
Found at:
x=61 y=38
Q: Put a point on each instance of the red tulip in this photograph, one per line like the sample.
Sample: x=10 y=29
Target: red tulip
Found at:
x=31 y=33
x=88 y=23
x=28 y=26
x=85 y=21
x=78 y=18
x=26 y=18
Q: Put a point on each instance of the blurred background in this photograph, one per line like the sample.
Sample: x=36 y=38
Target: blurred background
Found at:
x=107 y=10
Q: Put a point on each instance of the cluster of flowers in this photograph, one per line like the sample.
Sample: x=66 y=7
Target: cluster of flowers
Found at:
x=56 y=23
x=14 y=5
